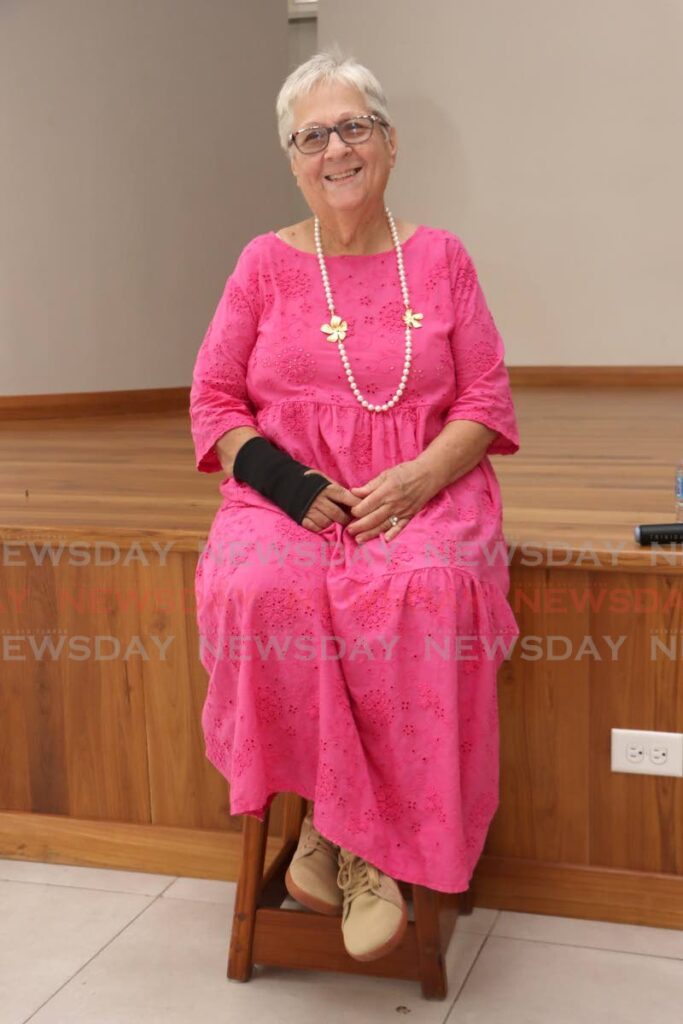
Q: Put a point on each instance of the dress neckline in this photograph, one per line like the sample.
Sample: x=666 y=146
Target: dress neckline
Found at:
x=348 y=255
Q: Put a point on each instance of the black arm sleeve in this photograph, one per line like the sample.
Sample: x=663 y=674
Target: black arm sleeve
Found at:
x=278 y=477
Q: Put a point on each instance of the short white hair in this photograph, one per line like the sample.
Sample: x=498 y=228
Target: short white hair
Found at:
x=324 y=67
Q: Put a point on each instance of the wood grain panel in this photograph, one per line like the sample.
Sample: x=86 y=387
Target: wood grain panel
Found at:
x=592 y=464
x=93 y=403
x=544 y=778
x=103 y=759
x=16 y=740
x=190 y=853
x=142 y=400
x=186 y=790
x=591 y=893
x=104 y=728
x=596 y=376
x=637 y=820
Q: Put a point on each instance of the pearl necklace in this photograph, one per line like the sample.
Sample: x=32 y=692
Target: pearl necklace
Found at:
x=337 y=328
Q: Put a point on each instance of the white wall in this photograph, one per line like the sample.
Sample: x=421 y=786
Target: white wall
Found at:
x=548 y=135
x=139 y=154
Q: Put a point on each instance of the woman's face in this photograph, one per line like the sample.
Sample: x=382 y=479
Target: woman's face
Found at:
x=328 y=105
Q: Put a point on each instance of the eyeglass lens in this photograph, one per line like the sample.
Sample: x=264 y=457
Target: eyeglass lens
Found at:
x=313 y=139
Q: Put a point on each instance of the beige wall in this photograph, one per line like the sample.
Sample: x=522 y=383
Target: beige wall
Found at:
x=124 y=197
x=303 y=40
x=547 y=135
x=303 y=43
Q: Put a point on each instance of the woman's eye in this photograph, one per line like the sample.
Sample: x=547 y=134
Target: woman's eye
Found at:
x=312 y=136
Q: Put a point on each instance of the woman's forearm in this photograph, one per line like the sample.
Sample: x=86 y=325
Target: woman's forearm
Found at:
x=230 y=443
x=459 y=447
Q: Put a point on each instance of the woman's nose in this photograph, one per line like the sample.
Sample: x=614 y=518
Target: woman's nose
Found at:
x=336 y=147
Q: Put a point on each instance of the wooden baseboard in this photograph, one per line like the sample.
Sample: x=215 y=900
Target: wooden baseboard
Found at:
x=596 y=376
x=94 y=403
x=100 y=403
x=571 y=890
x=191 y=853
x=502 y=883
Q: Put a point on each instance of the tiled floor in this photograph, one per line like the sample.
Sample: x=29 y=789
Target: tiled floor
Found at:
x=117 y=947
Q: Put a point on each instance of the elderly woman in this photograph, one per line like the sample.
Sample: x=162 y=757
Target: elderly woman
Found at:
x=352 y=595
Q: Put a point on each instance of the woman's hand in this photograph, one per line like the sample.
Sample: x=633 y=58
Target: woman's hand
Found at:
x=400 y=491
x=327 y=508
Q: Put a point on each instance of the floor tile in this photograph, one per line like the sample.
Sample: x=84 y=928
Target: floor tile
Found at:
x=519 y=982
x=204 y=890
x=626 y=938
x=480 y=921
x=83 y=877
x=47 y=932
x=169 y=967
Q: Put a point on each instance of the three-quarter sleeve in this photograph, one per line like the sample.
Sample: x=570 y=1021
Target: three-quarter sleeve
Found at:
x=219 y=399
x=482 y=385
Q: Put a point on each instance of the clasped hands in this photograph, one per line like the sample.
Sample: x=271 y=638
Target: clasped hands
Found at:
x=364 y=511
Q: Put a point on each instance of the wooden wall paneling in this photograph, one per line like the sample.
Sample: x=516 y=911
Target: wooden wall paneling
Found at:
x=637 y=820
x=214 y=787
x=544 y=724
x=16 y=739
x=104 y=723
x=58 y=839
x=41 y=679
x=183 y=794
x=571 y=890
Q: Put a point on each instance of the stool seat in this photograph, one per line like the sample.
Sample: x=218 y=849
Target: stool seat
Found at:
x=264 y=932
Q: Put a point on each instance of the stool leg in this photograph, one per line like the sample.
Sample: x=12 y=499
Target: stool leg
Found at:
x=426 y=907
x=254 y=836
x=293 y=816
x=466 y=903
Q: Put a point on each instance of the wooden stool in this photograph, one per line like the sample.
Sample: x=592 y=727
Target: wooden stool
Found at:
x=265 y=933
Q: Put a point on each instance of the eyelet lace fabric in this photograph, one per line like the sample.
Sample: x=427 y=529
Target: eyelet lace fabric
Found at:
x=361 y=677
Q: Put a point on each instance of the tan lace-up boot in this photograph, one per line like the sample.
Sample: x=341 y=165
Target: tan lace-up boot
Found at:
x=311 y=877
x=375 y=916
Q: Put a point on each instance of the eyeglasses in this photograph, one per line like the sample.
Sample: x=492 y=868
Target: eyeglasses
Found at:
x=316 y=137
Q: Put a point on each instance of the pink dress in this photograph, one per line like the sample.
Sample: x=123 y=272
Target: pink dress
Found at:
x=362 y=677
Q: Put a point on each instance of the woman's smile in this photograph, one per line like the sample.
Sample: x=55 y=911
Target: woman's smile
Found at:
x=343 y=177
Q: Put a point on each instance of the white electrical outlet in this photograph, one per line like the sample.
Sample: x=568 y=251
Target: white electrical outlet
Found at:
x=647 y=753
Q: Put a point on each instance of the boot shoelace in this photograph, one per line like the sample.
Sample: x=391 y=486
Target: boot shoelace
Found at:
x=314 y=841
x=356 y=876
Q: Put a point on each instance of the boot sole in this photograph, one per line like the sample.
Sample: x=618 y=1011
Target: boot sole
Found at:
x=390 y=944
x=312 y=902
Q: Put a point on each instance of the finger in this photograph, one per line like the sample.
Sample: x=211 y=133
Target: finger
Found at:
x=323 y=511
x=381 y=497
x=386 y=534
x=317 y=516
x=333 y=511
x=315 y=522
x=335 y=491
x=342 y=495
x=363 y=538
x=375 y=518
x=392 y=532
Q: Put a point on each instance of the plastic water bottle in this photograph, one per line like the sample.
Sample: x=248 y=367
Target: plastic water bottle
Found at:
x=679 y=493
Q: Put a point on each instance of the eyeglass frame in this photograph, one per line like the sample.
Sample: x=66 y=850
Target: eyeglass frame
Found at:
x=335 y=128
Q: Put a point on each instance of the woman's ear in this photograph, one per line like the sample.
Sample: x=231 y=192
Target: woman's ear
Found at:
x=393 y=145
x=293 y=168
